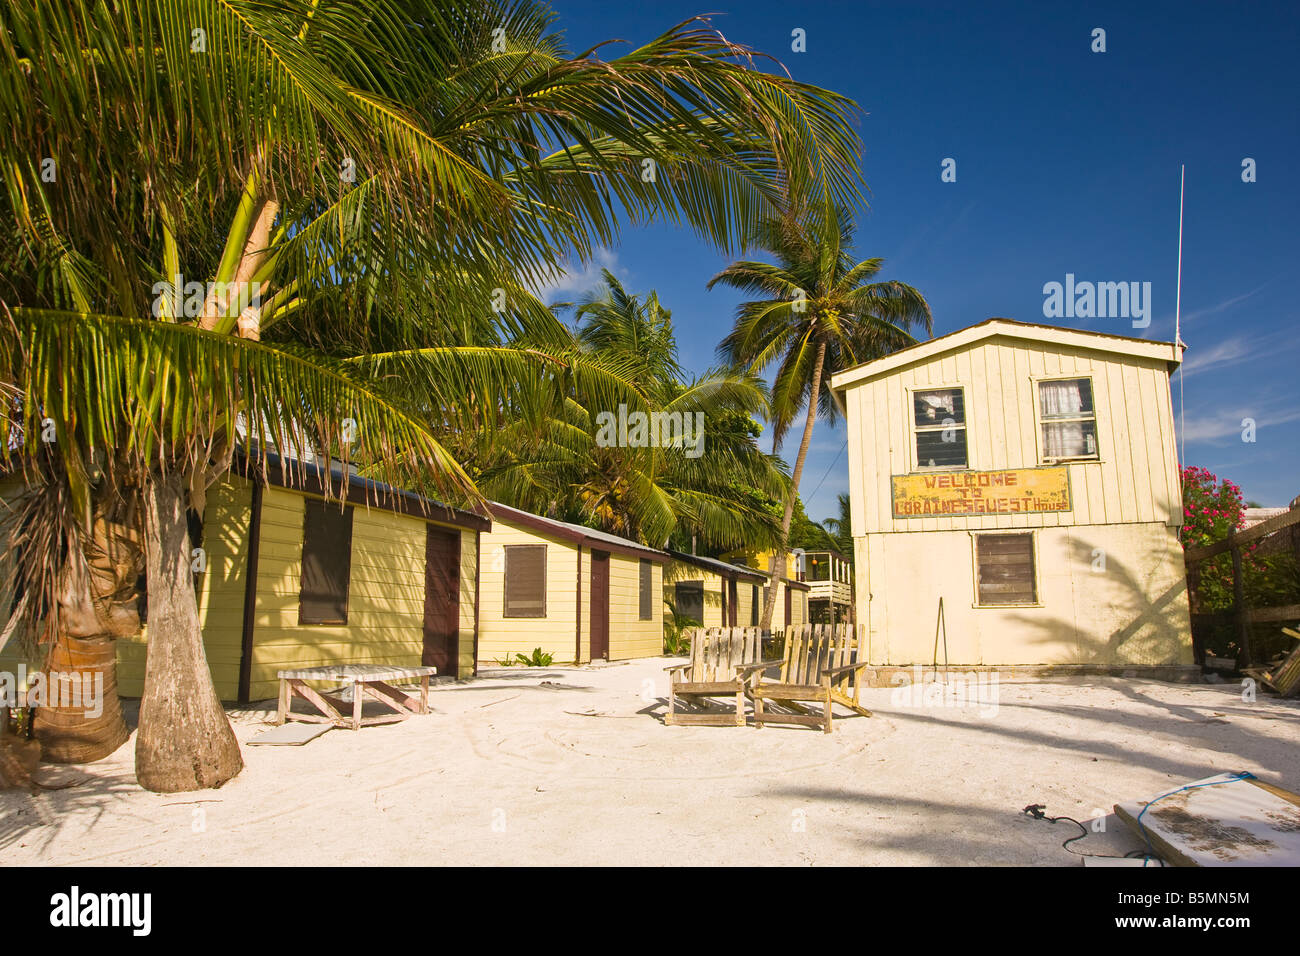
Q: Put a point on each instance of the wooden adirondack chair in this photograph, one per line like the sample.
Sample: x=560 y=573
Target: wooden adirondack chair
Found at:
x=718 y=655
x=820 y=665
x=1285 y=676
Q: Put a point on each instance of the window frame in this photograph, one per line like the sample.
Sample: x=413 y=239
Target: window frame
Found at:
x=645 y=590
x=505 y=581
x=347 y=514
x=915 y=429
x=1039 y=421
x=1032 y=534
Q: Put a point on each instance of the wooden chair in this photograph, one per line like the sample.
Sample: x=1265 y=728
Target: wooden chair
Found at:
x=718 y=656
x=1285 y=676
x=821 y=664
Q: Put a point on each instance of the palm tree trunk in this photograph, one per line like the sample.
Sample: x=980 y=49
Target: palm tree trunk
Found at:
x=73 y=733
x=96 y=606
x=185 y=741
x=778 y=559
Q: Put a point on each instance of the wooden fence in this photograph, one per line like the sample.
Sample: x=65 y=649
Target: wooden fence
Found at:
x=1241 y=615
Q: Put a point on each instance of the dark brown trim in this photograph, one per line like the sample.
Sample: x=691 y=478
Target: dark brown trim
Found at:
x=250 y=592
x=478 y=563
x=718 y=567
x=555 y=529
x=307 y=478
x=577 y=637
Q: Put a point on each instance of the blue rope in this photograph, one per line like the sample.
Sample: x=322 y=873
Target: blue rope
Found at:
x=1232 y=778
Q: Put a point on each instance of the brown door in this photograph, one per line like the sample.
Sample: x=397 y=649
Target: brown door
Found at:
x=788 y=606
x=599 y=605
x=733 y=599
x=442 y=601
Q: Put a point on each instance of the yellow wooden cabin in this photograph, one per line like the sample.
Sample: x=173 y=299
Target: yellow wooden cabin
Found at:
x=792 y=599
x=577 y=593
x=373 y=575
x=1026 y=476
x=711 y=592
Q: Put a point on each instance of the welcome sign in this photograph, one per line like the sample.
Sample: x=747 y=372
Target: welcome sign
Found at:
x=1014 y=491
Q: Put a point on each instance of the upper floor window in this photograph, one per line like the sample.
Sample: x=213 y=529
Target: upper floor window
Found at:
x=1068 y=419
x=940 y=420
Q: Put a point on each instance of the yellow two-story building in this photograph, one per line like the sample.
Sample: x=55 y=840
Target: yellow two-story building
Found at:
x=1016 y=500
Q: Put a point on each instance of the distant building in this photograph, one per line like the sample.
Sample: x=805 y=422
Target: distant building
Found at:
x=1026 y=477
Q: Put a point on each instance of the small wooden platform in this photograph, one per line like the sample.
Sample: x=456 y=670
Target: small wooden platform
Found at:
x=1225 y=820
x=370 y=680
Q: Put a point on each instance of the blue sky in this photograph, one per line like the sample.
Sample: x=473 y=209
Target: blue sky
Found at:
x=1067 y=161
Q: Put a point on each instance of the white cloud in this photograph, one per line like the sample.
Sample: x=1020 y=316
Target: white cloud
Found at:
x=1214 y=428
x=576 y=279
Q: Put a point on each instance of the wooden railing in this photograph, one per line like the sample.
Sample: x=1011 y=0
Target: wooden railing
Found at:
x=1242 y=615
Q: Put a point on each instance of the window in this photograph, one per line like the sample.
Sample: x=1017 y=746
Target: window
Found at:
x=525 y=581
x=940 y=420
x=688 y=600
x=646 y=610
x=326 y=563
x=1069 y=420
x=1005 y=569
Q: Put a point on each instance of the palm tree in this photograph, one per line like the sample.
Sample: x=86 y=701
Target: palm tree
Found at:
x=558 y=458
x=840 y=527
x=237 y=221
x=818 y=313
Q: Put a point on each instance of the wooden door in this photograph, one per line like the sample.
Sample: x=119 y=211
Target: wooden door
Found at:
x=442 y=601
x=733 y=599
x=788 y=606
x=599 y=605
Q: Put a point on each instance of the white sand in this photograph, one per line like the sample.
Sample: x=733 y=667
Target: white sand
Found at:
x=505 y=772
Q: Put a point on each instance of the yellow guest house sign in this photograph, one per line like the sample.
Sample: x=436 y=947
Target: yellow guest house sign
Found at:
x=1015 y=491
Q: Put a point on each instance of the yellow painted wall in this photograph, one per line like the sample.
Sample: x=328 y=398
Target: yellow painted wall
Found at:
x=1112 y=595
x=1130 y=612
x=385 y=595
x=502 y=637
x=1136 y=480
x=469 y=559
x=629 y=636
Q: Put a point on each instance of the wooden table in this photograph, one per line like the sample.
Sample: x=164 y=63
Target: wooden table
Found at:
x=366 y=679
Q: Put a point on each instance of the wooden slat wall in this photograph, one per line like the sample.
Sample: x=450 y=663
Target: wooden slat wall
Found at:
x=1135 y=481
x=385 y=600
x=629 y=636
x=500 y=636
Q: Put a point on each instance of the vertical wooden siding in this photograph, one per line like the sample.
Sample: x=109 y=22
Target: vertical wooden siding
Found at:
x=1136 y=479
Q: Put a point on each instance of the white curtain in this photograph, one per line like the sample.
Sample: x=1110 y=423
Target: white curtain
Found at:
x=1061 y=399
x=1065 y=439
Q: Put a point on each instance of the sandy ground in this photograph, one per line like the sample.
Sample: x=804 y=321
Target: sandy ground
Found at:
x=575 y=766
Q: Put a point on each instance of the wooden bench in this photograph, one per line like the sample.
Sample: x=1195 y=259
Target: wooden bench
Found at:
x=366 y=680
x=821 y=664
x=719 y=656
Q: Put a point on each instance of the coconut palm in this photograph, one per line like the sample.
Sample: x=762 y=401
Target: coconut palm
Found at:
x=565 y=458
x=818 y=312
x=236 y=222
